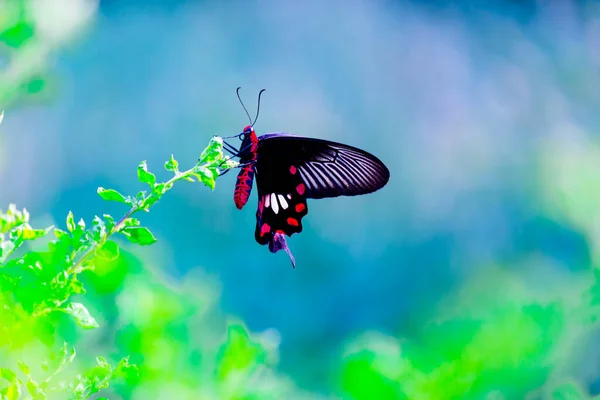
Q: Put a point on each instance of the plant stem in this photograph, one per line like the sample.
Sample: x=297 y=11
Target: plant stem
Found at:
x=94 y=246
x=117 y=227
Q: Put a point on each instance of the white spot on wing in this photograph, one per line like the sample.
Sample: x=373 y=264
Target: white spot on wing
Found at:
x=289 y=196
x=284 y=203
x=274 y=203
x=267 y=201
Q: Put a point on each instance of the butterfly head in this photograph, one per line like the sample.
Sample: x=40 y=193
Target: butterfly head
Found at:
x=248 y=134
x=248 y=130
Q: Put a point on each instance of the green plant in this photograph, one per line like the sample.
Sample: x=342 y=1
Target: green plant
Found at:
x=37 y=287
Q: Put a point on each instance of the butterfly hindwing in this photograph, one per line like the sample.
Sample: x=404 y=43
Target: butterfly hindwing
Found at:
x=282 y=206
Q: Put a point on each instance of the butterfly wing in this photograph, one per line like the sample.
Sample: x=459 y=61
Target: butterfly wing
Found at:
x=327 y=169
x=290 y=169
x=281 y=201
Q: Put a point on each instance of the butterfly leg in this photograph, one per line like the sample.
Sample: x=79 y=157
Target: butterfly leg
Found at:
x=234 y=152
x=245 y=164
x=277 y=243
x=238 y=166
x=224 y=172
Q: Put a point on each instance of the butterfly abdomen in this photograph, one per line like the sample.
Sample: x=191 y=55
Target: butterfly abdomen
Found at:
x=243 y=185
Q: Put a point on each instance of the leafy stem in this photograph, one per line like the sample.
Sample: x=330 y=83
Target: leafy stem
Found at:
x=43 y=282
x=206 y=171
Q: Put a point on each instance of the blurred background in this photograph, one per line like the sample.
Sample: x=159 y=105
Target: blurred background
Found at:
x=472 y=275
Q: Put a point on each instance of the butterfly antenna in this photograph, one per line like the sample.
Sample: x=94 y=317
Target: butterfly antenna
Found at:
x=258 y=108
x=242 y=103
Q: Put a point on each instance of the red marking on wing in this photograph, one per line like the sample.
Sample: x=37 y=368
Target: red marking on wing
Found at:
x=300 y=189
x=265 y=228
x=293 y=170
x=300 y=207
x=261 y=204
x=292 y=221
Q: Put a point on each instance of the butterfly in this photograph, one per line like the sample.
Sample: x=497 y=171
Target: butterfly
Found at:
x=291 y=169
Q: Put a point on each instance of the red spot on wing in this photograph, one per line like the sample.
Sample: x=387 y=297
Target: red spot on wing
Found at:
x=292 y=221
x=279 y=231
x=300 y=207
x=293 y=170
x=265 y=228
x=300 y=189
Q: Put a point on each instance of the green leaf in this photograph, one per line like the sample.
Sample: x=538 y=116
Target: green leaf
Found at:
x=131 y=222
x=60 y=280
x=75 y=286
x=66 y=356
x=126 y=370
x=229 y=163
x=110 y=221
x=102 y=363
x=34 y=390
x=144 y=175
x=32 y=234
x=24 y=368
x=82 y=316
x=139 y=235
x=159 y=189
x=18 y=33
x=70 y=222
x=13 y=392
x=80 y=385
x=45 y=366
x=98 y=229
x=208 y=176
x=7 y=374
x=172 y=164
x=149 y=201
x=213 y=152
x=113 y=195
x=59 y=233
x=109 y=250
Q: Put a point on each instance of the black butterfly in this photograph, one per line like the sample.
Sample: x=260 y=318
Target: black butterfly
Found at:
x=290 y=169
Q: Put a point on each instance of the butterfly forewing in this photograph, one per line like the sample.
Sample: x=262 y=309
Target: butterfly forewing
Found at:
x=327 y=169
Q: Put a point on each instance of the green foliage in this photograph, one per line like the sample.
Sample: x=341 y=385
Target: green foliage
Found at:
x=36 y=287
x=482 y=343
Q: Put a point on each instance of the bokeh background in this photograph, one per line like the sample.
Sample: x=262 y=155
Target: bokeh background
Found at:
x=471 y=275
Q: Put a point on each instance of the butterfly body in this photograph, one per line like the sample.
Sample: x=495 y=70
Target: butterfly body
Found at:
x=245 y=177
x=290 y=169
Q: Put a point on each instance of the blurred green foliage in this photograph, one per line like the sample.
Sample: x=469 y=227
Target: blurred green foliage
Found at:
x=36 y=287
x=27 y=40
